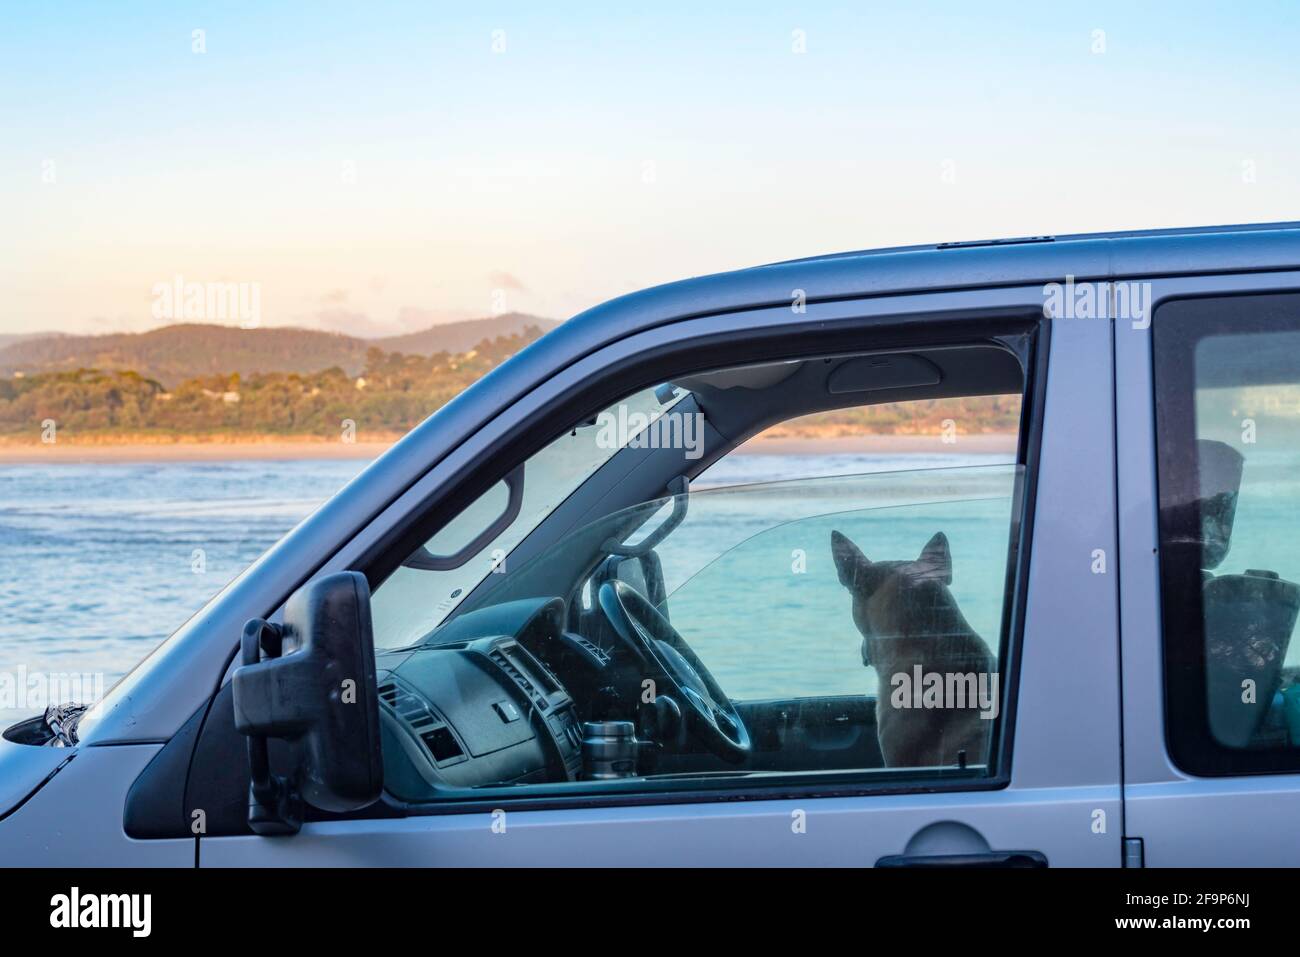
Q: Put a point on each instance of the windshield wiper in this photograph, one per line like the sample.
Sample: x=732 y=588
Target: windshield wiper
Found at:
x=62 y=720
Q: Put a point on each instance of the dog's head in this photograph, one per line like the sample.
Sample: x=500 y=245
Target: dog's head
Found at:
x=896 y=598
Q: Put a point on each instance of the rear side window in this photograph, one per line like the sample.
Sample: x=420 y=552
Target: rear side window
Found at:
x=1227 y=381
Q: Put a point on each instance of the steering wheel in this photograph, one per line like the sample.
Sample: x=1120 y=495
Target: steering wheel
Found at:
x=709 y=713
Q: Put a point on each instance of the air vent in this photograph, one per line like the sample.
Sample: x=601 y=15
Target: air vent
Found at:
x=515 y=674
x=591 y=649
x=426 y=723
x=442 y=744
x=535 y=694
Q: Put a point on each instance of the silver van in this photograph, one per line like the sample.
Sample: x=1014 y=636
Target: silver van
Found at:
x=556 y=624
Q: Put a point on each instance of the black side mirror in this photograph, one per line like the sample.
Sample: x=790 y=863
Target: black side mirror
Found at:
x=311 y=683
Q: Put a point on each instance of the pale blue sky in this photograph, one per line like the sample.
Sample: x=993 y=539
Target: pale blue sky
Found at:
x=377 y=166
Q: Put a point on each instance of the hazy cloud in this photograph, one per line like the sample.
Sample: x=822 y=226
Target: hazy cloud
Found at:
x=106 y=325
x=415 y=319
x=354 y=322
x=504 y=280
x=347 y=321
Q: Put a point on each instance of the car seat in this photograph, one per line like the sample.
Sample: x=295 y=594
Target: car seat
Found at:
x=1248 y=617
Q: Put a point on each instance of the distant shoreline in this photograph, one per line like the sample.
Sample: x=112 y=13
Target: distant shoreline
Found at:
x=130 y=449
x=981 y=444
x=107 y=449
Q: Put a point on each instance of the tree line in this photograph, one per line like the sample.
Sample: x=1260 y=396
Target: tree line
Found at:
x=393 y=393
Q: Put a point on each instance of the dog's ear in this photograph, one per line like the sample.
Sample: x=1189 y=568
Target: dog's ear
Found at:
x=851 y=564
x=935 y=562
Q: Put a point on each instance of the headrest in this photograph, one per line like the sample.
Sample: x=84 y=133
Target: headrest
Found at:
x=1219 y=467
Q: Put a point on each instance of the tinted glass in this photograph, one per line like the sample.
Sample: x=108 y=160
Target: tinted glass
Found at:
x=1228 y=418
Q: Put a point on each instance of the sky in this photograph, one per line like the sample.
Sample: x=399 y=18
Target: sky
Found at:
x=375 y=168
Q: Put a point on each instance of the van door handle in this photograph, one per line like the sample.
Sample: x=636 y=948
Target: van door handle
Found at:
x=984 y=859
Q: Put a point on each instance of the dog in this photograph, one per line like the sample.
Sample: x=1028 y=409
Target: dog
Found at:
x=937 y=707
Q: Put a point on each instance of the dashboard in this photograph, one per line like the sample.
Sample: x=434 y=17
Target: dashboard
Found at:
x=470 y=705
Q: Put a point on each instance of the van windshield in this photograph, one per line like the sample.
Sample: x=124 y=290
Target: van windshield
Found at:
x=417 y=598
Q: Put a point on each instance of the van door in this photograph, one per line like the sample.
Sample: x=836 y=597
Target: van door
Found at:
x=1050 y=793
x=1209 y=492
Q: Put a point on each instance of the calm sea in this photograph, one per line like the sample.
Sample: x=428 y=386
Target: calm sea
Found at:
x=99 y=563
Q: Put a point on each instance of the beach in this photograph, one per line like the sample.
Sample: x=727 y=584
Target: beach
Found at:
x=275 y=449
x=867 y=444
x=282 y=449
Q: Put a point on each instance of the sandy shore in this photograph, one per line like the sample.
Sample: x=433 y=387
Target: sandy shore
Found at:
x=64 y=451
x=879 y=444
x=272 y=451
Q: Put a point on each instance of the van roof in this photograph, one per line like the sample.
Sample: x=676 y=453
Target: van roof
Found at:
x=1061 y=238
x=1031 y=260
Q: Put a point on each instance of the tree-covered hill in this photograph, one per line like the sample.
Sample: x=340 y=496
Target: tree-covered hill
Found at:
x=388 y=394
x=391 y=394
x=173 y=354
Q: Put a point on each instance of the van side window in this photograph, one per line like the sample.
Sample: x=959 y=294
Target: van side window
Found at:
x=835 y=604
x=1227 y=380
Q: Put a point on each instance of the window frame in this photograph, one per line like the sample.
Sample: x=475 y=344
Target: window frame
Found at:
x=1178 y=326
x=1023 y=331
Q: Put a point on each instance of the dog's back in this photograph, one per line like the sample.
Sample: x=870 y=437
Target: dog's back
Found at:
x=933 y=668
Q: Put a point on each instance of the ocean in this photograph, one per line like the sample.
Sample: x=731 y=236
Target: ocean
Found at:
x=101 y=562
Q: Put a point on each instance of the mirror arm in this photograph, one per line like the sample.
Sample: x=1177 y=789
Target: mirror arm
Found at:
x=309 y=683
x=274 y=806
